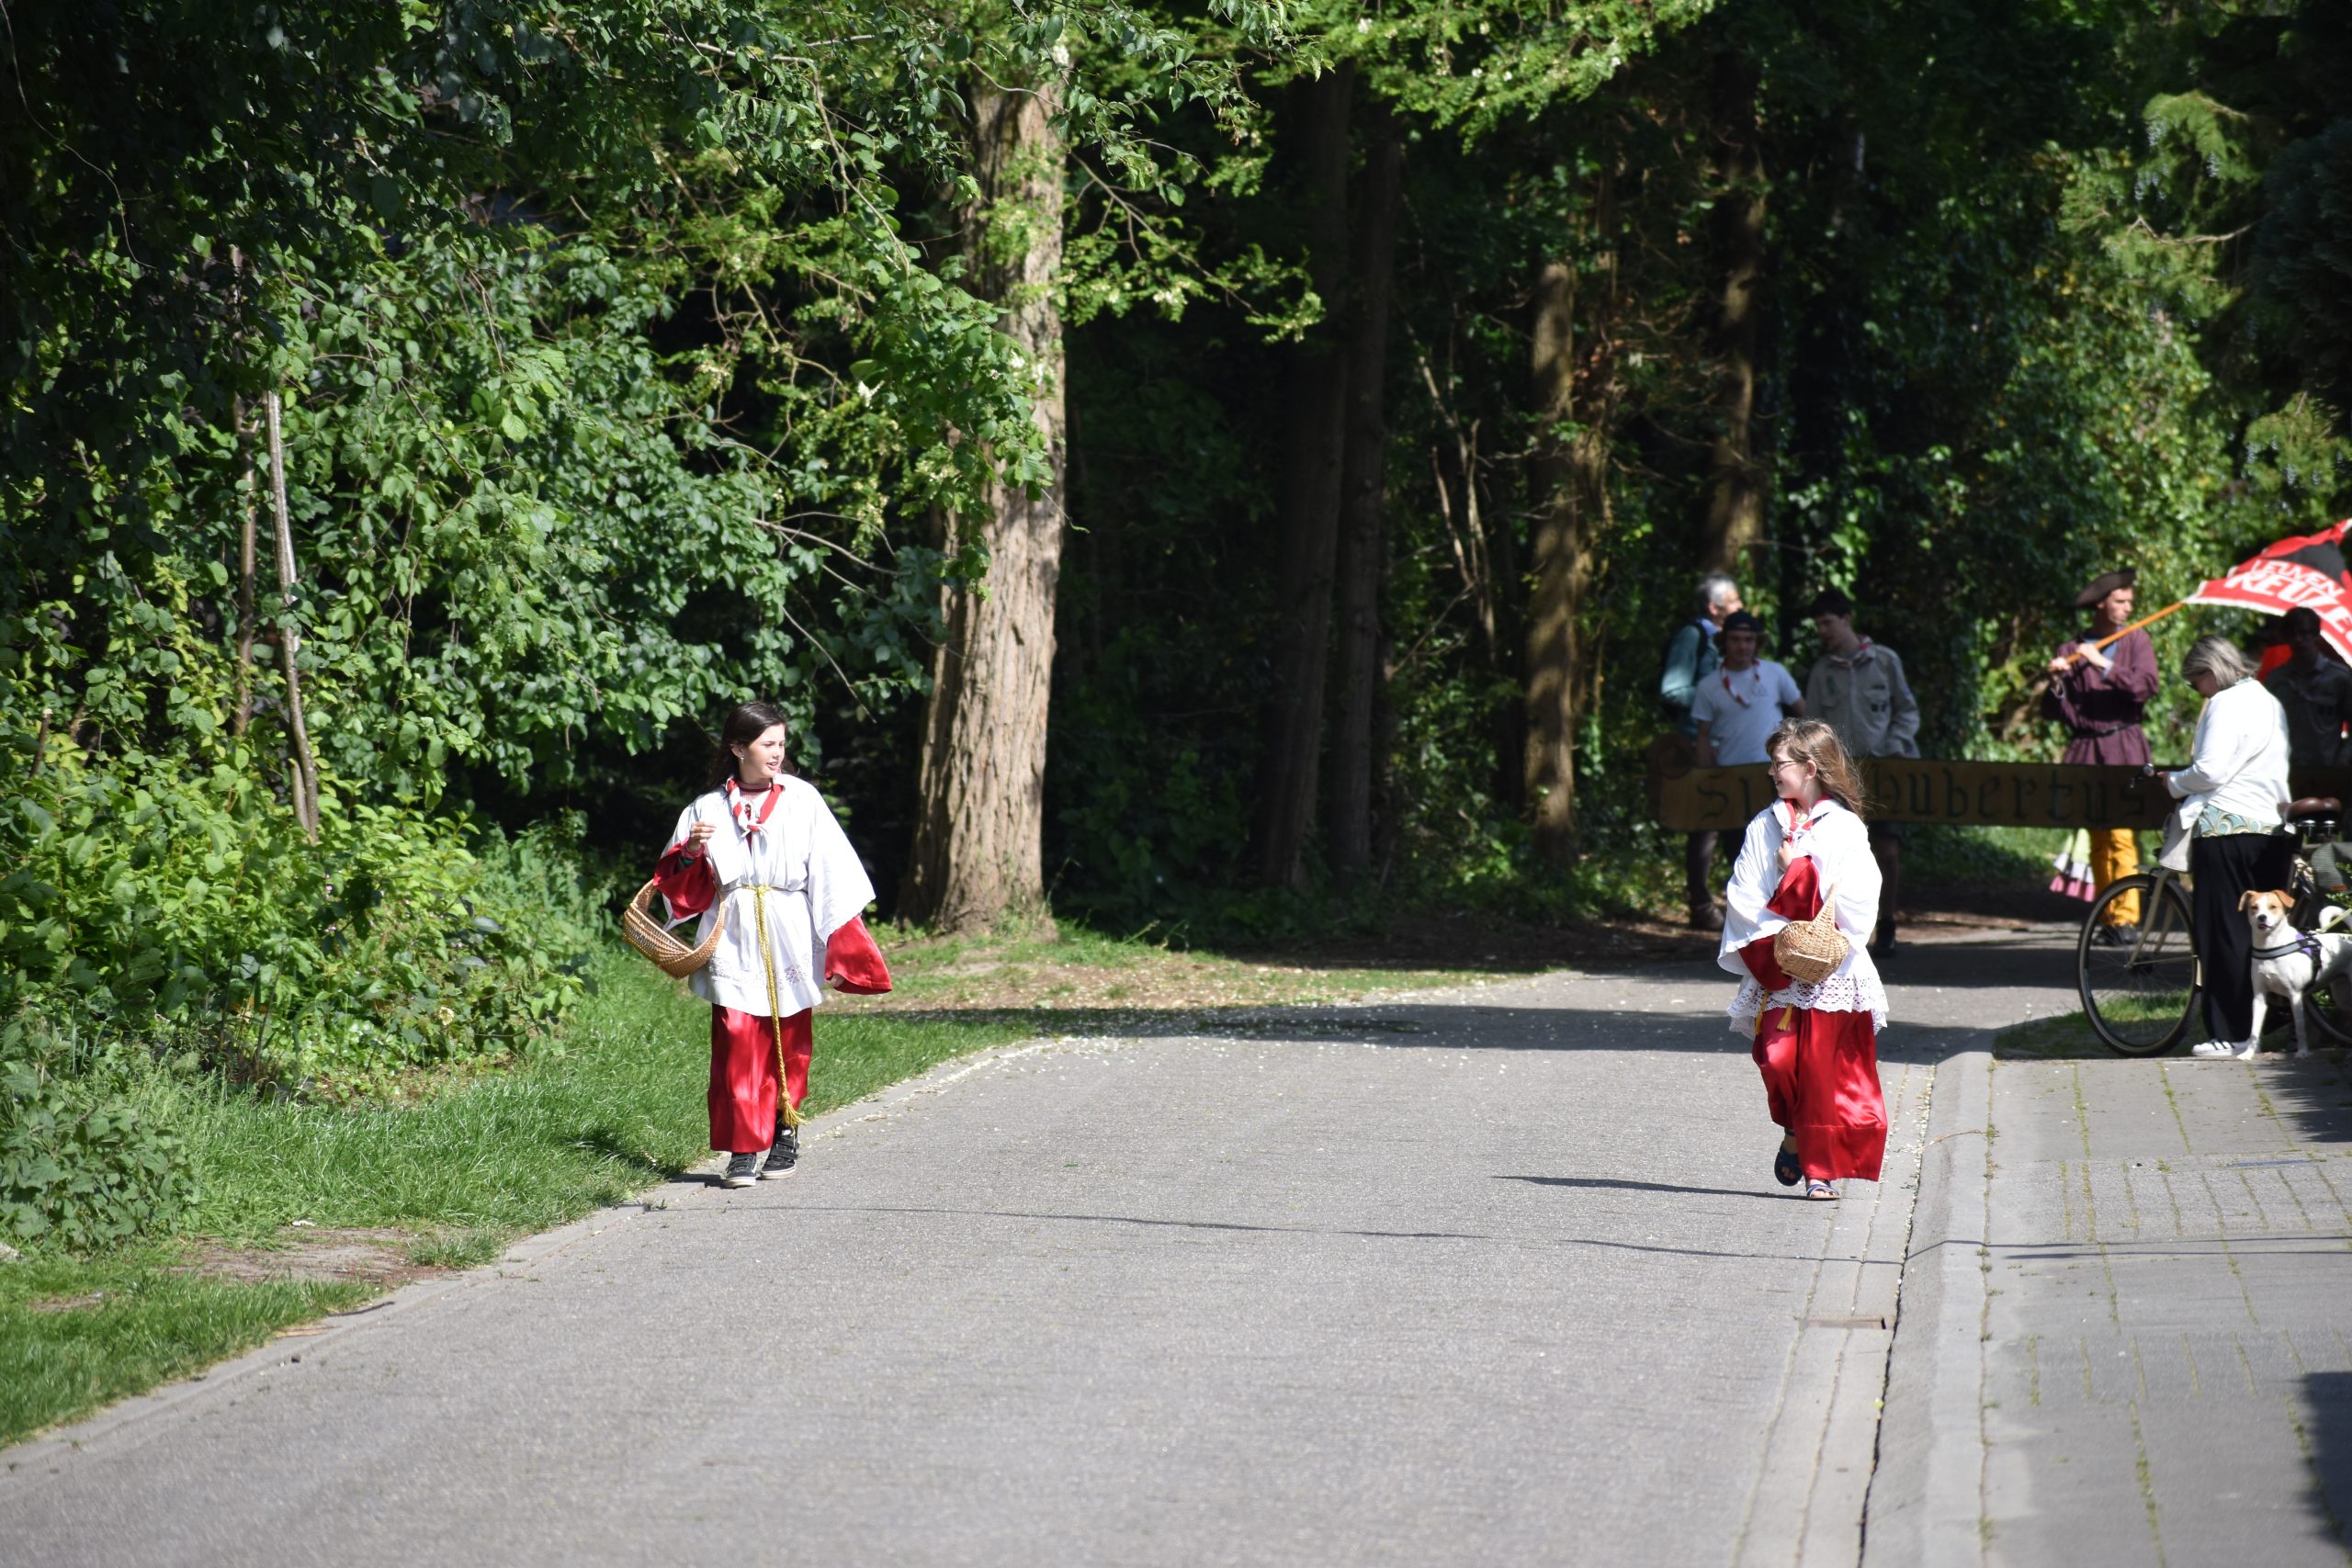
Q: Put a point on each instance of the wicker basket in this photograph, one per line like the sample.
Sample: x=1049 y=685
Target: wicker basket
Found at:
x=650 y=937
x=1812 y=950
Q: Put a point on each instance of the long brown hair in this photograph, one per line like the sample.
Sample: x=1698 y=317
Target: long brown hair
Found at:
x=745 y=725
x=1810 y=740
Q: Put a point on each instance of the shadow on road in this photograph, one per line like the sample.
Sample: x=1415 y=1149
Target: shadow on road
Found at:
x=1163 y=1223
x=2327 y=1397
x=1448 y=1026
x=2313 y=1095
x=1642 y=1186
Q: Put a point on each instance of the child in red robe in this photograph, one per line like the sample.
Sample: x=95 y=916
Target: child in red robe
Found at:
x=762 y=849
x=1815 y=1041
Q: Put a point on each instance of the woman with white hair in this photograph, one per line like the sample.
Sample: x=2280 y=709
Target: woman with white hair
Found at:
x=2225 y=832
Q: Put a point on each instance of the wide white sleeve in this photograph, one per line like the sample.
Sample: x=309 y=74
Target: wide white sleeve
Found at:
x=1755 y=877
x=1848 y=869
x=839 y=889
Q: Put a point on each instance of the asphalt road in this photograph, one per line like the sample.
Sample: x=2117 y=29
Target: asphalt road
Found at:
x=1497 y=1275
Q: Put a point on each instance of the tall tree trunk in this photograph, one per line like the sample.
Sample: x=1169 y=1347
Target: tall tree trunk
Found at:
x=977 y=857
x=1736 y=493
x=1363 y=504
x=289 y=637
x=1569 y=479
x=1315 y=411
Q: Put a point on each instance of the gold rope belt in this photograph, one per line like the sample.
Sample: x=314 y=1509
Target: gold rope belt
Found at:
x=760 y=891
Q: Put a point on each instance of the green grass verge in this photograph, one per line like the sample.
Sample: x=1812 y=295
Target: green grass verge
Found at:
x=2063 y=1037
x=616 y=1108
x=2068 y=1035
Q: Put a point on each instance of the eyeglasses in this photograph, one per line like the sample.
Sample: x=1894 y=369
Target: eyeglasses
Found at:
x=1777 y=763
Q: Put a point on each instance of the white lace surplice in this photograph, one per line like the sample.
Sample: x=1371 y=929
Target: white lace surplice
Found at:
x=1840 y=847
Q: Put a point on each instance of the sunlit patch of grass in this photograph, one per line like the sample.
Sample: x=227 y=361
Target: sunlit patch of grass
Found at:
x=79 y=1332
x=2068 y=1035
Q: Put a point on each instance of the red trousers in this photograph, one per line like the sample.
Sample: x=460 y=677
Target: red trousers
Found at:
x=742 y=1075
x=1821 y=1079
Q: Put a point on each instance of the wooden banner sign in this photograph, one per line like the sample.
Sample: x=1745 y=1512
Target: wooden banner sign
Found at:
x=1986 y=794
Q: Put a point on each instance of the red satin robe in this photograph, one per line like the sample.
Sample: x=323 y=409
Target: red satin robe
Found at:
x=1820 y=1068
x=744 y=1046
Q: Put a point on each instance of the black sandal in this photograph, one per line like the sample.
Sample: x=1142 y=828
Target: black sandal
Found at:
x=1785 y=1168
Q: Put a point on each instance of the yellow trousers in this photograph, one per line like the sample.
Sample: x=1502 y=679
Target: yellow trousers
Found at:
x=2115 y=855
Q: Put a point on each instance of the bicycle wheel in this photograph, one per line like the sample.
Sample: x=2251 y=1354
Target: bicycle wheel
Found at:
x=2141 y=995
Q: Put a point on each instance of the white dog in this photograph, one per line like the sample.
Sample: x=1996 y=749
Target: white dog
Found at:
x=2290 y=964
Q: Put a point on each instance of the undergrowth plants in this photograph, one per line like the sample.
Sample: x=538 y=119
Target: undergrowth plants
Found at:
x=161 y=918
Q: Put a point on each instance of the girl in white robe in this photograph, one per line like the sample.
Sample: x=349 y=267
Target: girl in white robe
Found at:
x=1814 y=1042
x=762 y=849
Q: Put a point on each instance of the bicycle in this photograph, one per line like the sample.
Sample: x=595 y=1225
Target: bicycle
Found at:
x=2141 y=994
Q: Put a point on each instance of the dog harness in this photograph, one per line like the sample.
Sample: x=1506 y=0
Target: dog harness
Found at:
x=2305 y=943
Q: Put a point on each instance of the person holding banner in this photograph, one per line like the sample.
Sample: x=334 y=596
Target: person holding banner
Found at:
x=2099 y=694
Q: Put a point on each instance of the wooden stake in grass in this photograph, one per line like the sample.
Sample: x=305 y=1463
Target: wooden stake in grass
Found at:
x=289 y=638
x=251 y=488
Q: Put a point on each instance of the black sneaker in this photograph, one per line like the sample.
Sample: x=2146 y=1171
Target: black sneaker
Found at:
x=784 y=1154
x=741 y=1170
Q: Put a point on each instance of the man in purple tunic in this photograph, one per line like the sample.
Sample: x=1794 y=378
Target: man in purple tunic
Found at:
x=2099 y=697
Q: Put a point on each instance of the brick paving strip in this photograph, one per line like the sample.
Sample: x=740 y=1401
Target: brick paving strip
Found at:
x=2125 y=1317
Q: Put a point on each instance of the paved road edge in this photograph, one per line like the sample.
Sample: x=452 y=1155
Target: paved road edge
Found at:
x=1925 y=1500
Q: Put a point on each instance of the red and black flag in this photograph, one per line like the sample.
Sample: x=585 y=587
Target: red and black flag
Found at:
x=2309 y=572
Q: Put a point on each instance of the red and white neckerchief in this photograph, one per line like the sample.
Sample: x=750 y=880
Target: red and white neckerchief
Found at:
x=1850 y=659
x=1755 y=684
x=751 y=812
x=1788 y=834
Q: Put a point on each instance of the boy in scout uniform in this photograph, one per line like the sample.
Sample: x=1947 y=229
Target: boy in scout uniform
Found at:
x=1859 y=688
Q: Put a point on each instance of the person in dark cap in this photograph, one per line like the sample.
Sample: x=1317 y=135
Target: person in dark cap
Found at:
x=2100 y=695
x=1743 y=700
x=1858 y=688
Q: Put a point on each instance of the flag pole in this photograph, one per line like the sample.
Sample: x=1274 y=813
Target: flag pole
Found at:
x=2127 y=631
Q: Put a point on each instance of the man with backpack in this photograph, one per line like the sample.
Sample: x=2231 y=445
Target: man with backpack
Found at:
x=1693 y=653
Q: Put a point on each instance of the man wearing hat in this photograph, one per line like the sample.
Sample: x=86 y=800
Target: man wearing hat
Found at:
x=1856 y=687
x=1739 y=705
x=2099 y=694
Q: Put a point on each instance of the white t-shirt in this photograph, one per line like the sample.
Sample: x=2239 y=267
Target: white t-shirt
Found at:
x=1742 y=708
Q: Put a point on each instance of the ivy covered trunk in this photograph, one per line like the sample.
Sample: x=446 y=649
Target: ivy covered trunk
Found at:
x=1312 y=443
x=1364 y=501
x=1735 y=492
x=1568 y=483
x=976 y=856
